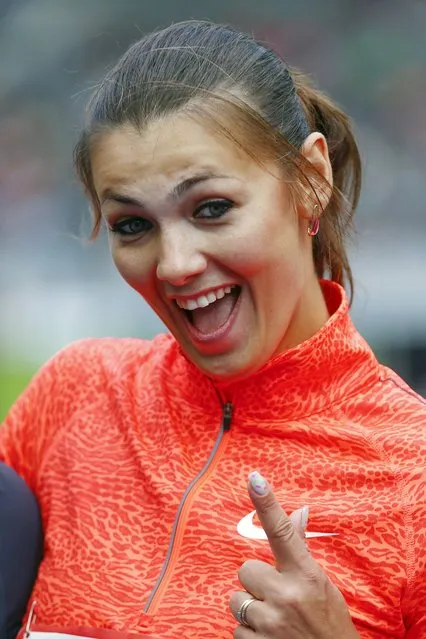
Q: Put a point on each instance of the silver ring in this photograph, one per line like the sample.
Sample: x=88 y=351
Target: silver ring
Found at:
x=242 y=612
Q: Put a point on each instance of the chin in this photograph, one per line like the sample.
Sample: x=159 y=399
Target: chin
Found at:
x=228 y=367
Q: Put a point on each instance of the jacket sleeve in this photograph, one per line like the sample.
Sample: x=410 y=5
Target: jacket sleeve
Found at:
x=43 y=408
x=24 y=431
x=414 y=599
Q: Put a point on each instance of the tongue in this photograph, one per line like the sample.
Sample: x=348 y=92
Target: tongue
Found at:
x=211 y=318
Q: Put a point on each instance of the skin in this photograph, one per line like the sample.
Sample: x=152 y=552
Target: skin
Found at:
x=260 y=243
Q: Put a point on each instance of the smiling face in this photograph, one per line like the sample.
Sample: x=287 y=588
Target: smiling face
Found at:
x=211 y=240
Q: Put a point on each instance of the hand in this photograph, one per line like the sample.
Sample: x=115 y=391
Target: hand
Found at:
x=295 y=599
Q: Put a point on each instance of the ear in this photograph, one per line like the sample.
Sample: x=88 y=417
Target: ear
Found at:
x=315 y=150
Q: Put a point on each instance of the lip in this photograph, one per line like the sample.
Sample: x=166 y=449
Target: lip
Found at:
x=204 y=291
x=220 y=334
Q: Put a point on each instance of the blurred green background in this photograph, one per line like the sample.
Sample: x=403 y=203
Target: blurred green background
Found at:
x=13 y=379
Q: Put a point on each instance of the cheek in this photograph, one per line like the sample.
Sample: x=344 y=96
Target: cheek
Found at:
x=271 y=246
x=135 y=265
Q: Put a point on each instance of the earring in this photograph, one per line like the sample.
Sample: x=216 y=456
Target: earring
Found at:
x=313 y=226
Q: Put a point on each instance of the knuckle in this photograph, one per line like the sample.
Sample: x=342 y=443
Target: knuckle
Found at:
x=290 y=596
x=282 y=529
x=272 y=622
x=247 y=570
x=300 y=592
x=269 y=504
x=313 y=575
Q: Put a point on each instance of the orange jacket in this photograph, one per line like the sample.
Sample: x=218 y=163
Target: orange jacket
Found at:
x=140 y=463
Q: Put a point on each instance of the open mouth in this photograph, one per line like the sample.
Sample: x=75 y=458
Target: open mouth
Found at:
x=212 y=311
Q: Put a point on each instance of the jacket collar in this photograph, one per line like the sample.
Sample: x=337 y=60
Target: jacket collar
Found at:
x=332 y=365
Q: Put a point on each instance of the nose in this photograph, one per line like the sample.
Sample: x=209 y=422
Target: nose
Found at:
x=180 y=260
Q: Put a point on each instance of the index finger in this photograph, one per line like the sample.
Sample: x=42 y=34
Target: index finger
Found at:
x=286 y=543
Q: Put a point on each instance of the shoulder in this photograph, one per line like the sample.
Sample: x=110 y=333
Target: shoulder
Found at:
x=87 y=369
x=89 y=360
x=400 y=433
x=403 y=399
x=393 y=418
x=105 y=349
x=105 y=365
x=76 y=377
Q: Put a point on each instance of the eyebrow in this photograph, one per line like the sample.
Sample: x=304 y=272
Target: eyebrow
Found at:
x=177 y=191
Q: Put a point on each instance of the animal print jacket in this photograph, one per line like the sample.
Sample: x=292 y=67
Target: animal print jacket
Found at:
x=139 y=463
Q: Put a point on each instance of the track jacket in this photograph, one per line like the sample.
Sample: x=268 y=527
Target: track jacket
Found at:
x=139 y=463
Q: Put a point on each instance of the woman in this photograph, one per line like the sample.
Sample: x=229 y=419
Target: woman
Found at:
x=227 y=185
x=20 y=549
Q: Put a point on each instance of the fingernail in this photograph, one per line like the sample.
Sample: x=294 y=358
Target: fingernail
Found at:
x=304 y=516
x=257 y=483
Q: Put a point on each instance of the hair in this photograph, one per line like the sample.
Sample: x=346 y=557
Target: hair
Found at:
x=246 y=92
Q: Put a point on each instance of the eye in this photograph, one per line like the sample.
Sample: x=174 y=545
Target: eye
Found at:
x=131 y=226
x=212 y=209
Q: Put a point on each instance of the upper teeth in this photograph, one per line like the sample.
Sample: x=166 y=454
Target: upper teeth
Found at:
x=204 y=300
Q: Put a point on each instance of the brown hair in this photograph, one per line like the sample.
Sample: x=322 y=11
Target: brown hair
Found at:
x=267 y=108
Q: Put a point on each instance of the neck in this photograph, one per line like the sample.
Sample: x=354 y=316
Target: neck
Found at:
x=309 y=317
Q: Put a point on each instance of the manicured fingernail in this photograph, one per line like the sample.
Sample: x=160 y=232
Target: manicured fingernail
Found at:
x=258 y=484
x=304 y=517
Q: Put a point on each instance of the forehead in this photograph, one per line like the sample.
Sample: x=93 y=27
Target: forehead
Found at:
x=165 y=151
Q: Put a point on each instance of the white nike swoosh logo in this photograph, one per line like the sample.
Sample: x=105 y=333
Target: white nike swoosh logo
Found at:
x=247 y=528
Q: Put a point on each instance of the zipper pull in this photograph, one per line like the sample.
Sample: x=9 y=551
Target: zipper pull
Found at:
x=31 y=618
x=227 y=415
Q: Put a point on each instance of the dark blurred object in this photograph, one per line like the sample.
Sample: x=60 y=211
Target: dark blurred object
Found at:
x=409 y=360
x=21 y=548
x=418 y=367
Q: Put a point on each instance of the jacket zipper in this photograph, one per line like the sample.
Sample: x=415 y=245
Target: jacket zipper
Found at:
x=183 y=511
x=25 y=633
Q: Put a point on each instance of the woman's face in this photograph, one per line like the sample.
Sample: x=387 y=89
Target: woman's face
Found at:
x=212 y=242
